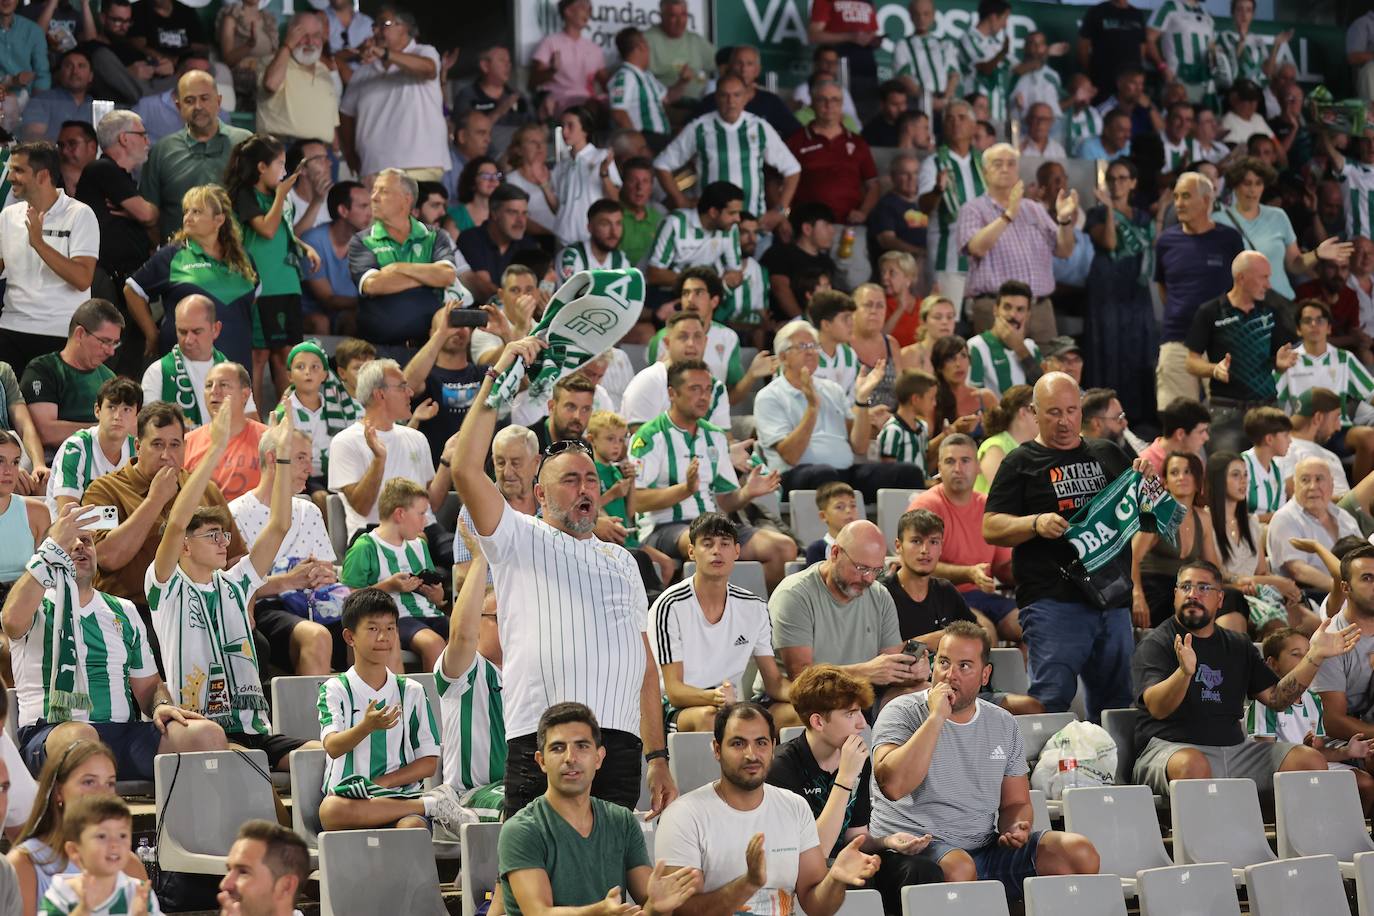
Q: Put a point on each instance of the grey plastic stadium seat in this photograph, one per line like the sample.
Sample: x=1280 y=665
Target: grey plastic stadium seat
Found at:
x=1188 y=890
x=892 y=502
x=793 y=566
x=1081 y=895
x=202 y=798
x=1218 y=820
x=1364 y=882
x=691 y=760
x=335 y=522
x=1120 y=724
x=747 y=574
x=1319 y=814
x=1008 y=671
x=806 y=522
x=956 y=898
x=378 y=871
x=295 y=705
x=1121 y=823
x=478 y=873
x=790 y=732
x=1292 y=886
x=1040 y=810
x=1038 y=729
x=307 y=792
x=860 y=903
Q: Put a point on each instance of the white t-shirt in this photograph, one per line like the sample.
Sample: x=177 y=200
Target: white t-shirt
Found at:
x=196 y=371
x=647 y=396
x=299 y=205
x=407 y=455
x=700 y=830
x=710 y=653
x=400 y=119
x=37 y=300
x=308 y=536
x=573 y=617
x=577 y=182
x=1299 y=449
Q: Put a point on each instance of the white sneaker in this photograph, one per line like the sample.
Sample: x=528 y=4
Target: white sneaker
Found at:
x=447 y=811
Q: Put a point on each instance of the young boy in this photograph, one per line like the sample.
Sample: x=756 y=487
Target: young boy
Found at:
x=1270 y=432
x=906 y=436
x=606 y=433
x=202 y=613
x=831 y=312
x=101 y=449
x=379 y=733
x=96 y=831
x=349 y=357
x=395 y=558
x=322 y=406
x=837 y=506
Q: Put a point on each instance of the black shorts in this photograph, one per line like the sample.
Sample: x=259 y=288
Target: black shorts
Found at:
x=617 y=781
x=275 y=623
x=409 y=626
x=277 y=322
x=135 y=744
x=277 y=747
x=315 y=485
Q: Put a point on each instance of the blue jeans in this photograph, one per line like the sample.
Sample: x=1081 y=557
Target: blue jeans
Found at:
x=1067 y=640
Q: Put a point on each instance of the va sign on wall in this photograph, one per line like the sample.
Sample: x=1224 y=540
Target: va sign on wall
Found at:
x=536 y=18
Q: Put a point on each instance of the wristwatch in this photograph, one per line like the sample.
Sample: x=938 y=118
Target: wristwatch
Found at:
x=660 y=754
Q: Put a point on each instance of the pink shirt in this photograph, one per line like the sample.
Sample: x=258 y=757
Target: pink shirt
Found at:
x=1155 y=453
x=964 y=544
x=579 y=59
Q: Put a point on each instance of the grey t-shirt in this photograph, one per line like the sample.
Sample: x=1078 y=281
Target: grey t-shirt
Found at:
x=1349 y=673
x=959 y=800
x=805 y=613
x=12 y=395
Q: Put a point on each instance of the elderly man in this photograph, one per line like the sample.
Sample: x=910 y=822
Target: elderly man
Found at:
x=488 y=249
x=196 y=155
x=947 y=181
x=1193 y=263
x=392 y=114
x=297 y=98
x=403 y=270
x=1009 y=238
x=515 y=459
x=228 y=387
x=1037 y=489
x=491 y=93
x=676 y=43
x=108 y=187
x=69 y=100
x=61 y=387
x=810 y=430
x=896 y=222
x=1311 y=515
x=1038 y=143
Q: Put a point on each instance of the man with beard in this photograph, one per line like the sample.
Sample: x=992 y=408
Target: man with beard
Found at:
x=1342 y=685
x=755 y=846
x=579 y=606
x=602 y=251
x=296 y=94
x=1005 y=355
x=964 y=784
x=1192 y=679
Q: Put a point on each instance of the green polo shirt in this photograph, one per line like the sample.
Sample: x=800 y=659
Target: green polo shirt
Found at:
x=275 y=258
x=397 y=317
x=178 y=163
x=637 y=237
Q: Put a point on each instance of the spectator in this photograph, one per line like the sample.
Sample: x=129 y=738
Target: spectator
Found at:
x=122 y=72
x=1062 y=354
x=167 y=27
x=248 y=40
x=207 y=258
x=1320 y=365
x=905 y=437
x=897 y=222
x=831 y=313
x=267 y=866
x=948 y=180
x=825 y=65
x=349 y=30
x=732 y=144
x=704 y=237
x=566 y=412
x=1270 y=432
x=63 y=385
x=1193 y=263
x=958 y=405
x=1316 y=422
x=297 y=96
x=570 y=66
x=350 y=356
x=379 y=447
x=69 y=100
x=925 y=604
x=1342 y=684
x=885 y=128
x=928 y=66
x=1178 y=41
x=914 y=757
x=1357 y=180
x=1103 y=418
x=699 y=290
x=1240 y=543
x=391 y=115
x=1081 y=119
x=638 y=98
x=515 y=459
x=601 y=250
x=492 y=93
x=237 y=470
x=1185 y=427
x=527 y=158
x=647 y=394
x=813 y=235
x=443 y=374
x=322 y=407
x=490 y=247
x=329 y=295
x=1180 y=147
x=640 y=216
x=95 y=451
x=1309 y=515
x=837 y=507
x=24 y=61
x=914 y=133
x=745 y=307
x=470 y=204
x=1114 y=142
x=587 y=175
x=471 y=140
x=1004 y=355
x=702 y=661
x=1005 y=427
x=1038 y=143
x=403 y=270
x=899 y=271
x=179 y=377
x=1330 y=286
x=76 y=148
x=192 y=157
x=674 y=47
x=1132 y=99
x=1037 y=83
x=984 y=55
x=161 y=112
x=744 y=63
x=1111 y=36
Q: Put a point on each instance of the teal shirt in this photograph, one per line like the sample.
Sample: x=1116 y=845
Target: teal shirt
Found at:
x=23 y=46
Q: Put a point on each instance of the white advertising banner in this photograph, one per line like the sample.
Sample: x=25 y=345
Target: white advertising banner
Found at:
x=535 y=19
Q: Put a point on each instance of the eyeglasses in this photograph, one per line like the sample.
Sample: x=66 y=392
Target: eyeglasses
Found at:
x=221 y=537
x=387 y=23
x=804 y=347
x=1200 y=588
x=107 y=342
x=489 y=176
x=137 y=133
x=404 y=386
x=868 y=572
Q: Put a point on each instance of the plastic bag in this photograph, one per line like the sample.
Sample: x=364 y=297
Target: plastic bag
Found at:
x=1080 y=754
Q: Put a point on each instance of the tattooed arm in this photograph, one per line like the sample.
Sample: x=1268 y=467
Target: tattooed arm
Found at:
x=1325 y=644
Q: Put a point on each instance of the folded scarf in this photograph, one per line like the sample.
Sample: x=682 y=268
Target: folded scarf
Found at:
x=177 y=386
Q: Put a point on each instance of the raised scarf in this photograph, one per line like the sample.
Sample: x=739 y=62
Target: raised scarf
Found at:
x=1105 y=526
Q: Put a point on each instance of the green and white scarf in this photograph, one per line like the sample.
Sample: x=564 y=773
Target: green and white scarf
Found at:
x=955 y=195
x=1134 y=239
x=177 y=387
x=53 y=568
x=341 y=410
x=1265 y=606
x=1105 y=526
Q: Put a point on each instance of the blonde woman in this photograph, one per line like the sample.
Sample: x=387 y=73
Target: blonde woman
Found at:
x=938 y=318
x=899 y=271
x=206 y=257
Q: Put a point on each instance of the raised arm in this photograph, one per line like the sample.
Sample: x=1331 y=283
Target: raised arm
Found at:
x=264 y=550
x=184 y=506
x=899 y=769
x=1325 y=643
x=467 y=609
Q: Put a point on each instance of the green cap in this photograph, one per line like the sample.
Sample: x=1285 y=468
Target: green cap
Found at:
x=307 y=346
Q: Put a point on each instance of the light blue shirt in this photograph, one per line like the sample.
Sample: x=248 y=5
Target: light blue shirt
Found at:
x=51 y=107
x=1073 y=270
x=23 y=46
x=332 y=267
x=779 y=408
x=1092 y=148
x=1270 y=234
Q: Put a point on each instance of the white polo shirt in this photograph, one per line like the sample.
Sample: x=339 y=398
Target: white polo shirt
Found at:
x=407 y=455
x=400 y=119
x=37 y=300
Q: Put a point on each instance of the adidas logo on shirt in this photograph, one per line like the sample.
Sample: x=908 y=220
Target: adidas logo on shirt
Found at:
x=741 y=641
x=998 y=753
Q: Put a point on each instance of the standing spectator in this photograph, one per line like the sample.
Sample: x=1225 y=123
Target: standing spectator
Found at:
x=1111 y=36
x=193 y=156
x=928 y=66
x=492 y=94
x=1132 y=100
x=391 y=115
x=349 y=29
x=248 y=39
x=986 y=60
x=948 y=180
x=897 y=222
x=179 y=376
x=77 y=148
x=1359 y=54
x=1357 y=181
x=167 y=28
x=675 y=47
x=63 y=386
x=569 y=65
x=471 y=140
x=237 y=468
x=444 y=374
x=297 y=96
x=1037 y=82
x=48 y=109
x=885 y=127
x=851 y=28
x=788 y=264
x=161 y=111
x=638 y=99
x=587 y=175
x=1244 y=55
x=640 y=216
x=1192 y=265
x=745 y=64
x=329 y=295
x=487 y=250
x=1187 y=34
x=1309 y=515
x=1038 y=143
x=24 y=57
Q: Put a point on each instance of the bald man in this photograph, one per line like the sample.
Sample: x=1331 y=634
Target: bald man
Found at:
x=194 y=155
x=833 y=613
x=180 y=375
x=1038 y=488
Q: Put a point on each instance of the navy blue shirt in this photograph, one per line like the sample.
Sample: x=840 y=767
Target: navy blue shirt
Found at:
x=481 y=253
x=899 y=215
x=1194 y=269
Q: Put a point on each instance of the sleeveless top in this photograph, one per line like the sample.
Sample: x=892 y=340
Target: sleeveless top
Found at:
x=46 y=863
x=886 y=392
x=1164 y=559
x=1003 y=440
x=16 y=539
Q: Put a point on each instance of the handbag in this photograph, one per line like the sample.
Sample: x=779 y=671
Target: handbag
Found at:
x=1106 y=588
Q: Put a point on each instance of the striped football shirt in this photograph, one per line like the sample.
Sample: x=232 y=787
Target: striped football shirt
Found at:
x=473 y=724
x=343 y=703
x=370 y=560
x=1358 y=182
x=1265 y=492
x=900 y=442
x=578 y=256
x=928 y=60
x=734 y=152
x=1187 y=31
x=682 y=241
x=1337 y=370
x=662 y=450
x=640 y=96
x=80 y=459
x=842 y=368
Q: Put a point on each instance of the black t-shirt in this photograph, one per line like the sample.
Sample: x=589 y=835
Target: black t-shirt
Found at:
x=943 y=606
x=881 y=132
x=481 y=252
x=796 y=770
x=1035 y=479
x=124 y=243
x=791 y=262
x=1252 y=340
x=171 y=35
x=453 y=390
x=1229 y=671
x=1116 y=35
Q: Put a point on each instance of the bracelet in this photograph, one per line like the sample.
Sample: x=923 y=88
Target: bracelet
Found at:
x=839 y=785
x=1034 y=522
x=1065 y=223
x=161 y=702
x=492 y=374
x=660 y=754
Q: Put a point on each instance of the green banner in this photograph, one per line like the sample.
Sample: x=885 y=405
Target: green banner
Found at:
x=778 y=29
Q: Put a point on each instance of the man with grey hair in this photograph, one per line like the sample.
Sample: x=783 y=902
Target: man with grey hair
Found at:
x=673 y=45
x=891 y=222
x=1309 y=516
x=1192 y=265
x=515 y=458
x=297 y=95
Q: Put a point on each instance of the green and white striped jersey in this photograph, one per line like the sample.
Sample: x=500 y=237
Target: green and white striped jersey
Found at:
x=111 y=647
x=343 y=703
x=1080 y=125
x=473 y=724
x=748 y=302
x=1187 y=31
x=1291 y=725
x=683 y=242
x=371 y=559
x=929 y=61
x=993 y=366
x=900 y=442
x=734 y=152
x=579 y=256
x=80 y=459
x=842 y=368
x=662 y=450
x=965 y=183
x=975 y=48
x=312 y=423
x=722 y=352
x=1358 y=181
x=1337 y=370
x=1242 y=60
x=62 y=898
x=639 y=95
x=1177 y=155
x=1265 y=493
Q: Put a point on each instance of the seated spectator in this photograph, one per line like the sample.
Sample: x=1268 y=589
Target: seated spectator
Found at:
x=835 y=613
x=641 y=216
x=62 y=387
x=1081 y=118
x=703 y=652
x=167 y=27
x=1133 y=100
x=702 y=237
x=608 y=435
x=470 y=200
x=1342 y=684
x=1270 y=433
x=601 y=250
x=267 y=867
x=542 y=857
x=350 y=356
x=236 y=471
x=179 y=376
x=1185 y=427
x=905 y=437
x=366 y=785
x=28 y=67
x=699 y=289
x=716 y=835
x=837 y=506
x=1188 y=726
x=97 y=830
x=1312 y=515
x=322 y=407
x=915 y=133
x=825 y=65
x=980 y=824
x=567 y=411
x=959 y=406
x=77 y=148
x=1005 y=355
x=471 y=141
x=647 y=394
x=831 y=313
x=1240 y=542
x=1330 y=286
x=897 y=222
x=490 y=247
x=492 y=93
x=1104 y=418
x=1114 y=141
x=569 y=66
x=1062 y=354
x=813 y=235
x=1005 y=427
x=329 y=295
x=431 y=205
x=1205 y=130
x=811 y=431
x=98 y=450
x=210 y=659
x=1038 y=143
x=69 y=100
x=884 y=128
x=1316 y=424
x=1244 y=119
x=1180 y=148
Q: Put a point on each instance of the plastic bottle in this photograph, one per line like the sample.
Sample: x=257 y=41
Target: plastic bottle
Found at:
x=1069 y=767
x=847 y=242
x=148 y=856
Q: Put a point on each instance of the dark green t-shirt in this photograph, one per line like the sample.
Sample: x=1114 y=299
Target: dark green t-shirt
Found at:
x=581 y=869
x=275 y=258
x=49 y=380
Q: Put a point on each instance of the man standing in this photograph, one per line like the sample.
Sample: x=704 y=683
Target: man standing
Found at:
x=296 y=95
x=491 y=93
x=1187 y=33
x=1003 y=355
x=638 y=99
x=570 y=66
x=267 y=867
x=62 y=387
x=563 y=591
x=490 y=247
x=898 y=223
x=948 y=180
x=984 y=54
x=926 y=65
x=330 y=294
x=605 y=223
x=704 y=236
x=673 y=46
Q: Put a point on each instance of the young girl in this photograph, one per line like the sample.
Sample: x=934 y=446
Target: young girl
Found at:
x=97 y=832
x=258 y=185
x=323 y=408
x=606 y=433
